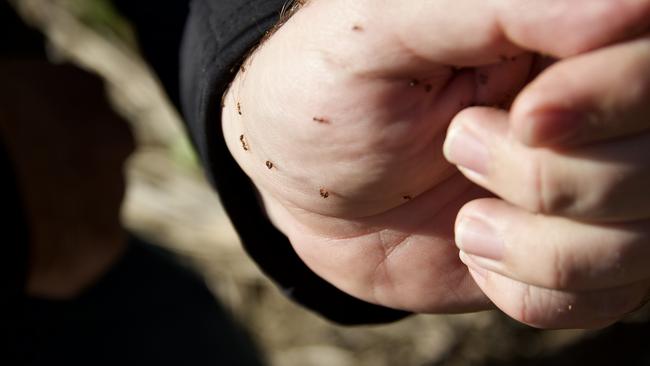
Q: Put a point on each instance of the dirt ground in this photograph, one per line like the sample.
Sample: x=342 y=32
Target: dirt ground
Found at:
x=170 y=202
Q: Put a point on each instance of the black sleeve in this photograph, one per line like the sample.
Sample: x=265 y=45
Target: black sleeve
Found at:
x=159 y=28
x=217 y=36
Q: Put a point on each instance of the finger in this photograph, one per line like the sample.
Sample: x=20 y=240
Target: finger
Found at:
x=400 y=38
x=553 y=252
x=604 y=182
x=565 y=28
x=595 y=96
x=556 y=27
x=546 y=308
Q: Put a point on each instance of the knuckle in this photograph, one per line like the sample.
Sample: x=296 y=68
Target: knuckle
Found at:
x=562 y=272
x=533 y=307
x=526 y=314
x=549 y=192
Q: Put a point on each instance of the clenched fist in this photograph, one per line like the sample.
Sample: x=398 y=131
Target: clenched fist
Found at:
x=339 y=119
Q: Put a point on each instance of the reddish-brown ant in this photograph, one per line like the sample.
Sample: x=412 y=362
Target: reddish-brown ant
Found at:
x=244 y=144
x=320 y=120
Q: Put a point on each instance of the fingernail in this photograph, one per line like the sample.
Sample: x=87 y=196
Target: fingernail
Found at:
x=467 y=150
x=476 y=237
x=552 y=127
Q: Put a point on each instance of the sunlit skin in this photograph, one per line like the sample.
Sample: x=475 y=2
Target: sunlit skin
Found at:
x=352 y=103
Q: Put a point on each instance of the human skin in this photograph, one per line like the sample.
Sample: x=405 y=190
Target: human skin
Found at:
x=569 y=241
x=340 y=118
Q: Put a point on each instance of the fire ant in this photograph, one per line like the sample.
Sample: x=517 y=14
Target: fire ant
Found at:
x=244 y=144
x=324 y=193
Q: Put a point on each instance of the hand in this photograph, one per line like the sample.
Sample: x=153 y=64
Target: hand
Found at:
x=569 y=244
x=339 y=120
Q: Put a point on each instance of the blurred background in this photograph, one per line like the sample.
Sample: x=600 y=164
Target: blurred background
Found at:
x=169 y=202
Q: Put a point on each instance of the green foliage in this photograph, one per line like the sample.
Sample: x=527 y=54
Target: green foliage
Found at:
x=102 y=16
x=183 y=153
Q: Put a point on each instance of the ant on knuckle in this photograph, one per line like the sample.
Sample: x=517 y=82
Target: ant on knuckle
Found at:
x=324 y=193
x=244 y=143
x=322 y=120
